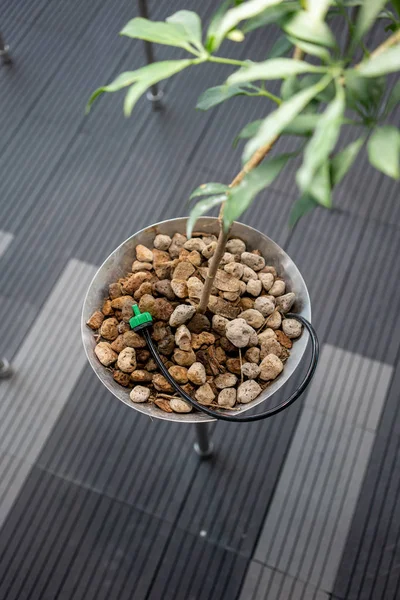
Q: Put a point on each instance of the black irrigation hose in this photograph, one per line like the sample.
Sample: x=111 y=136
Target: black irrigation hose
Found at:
x=246 y=418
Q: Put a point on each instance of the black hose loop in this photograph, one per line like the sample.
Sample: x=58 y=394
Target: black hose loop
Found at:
x=223 y=416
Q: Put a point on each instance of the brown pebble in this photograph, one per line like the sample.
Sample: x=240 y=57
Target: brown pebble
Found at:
x=283 y=339
x=225 y=380
x=95 y=320
x=219 y=306
x=270 y=367
x=252 y=355
x=199 y=323
x=114 y=290
x=269 y=269
x=107 y=309
x=167 y=345
x=184 y=270
x=246 y=303
x=121 y=377
x=109 y=329
x=184 y=359
x=227 y=397
x=204 y=394
x=118 y=344
x=141 y=375
x=163 y=404
x=161 y=384
x=127 y=360
x=143 y=253
x=220 y=354
x=164 y=288
x=133 y=283
x=180 y=288
x=195 y=258
x=233 y=365
x=133 y=340
x=142 y=356
x=180 y=374
x=147 y=303
x=227 y=345
x=105 y=354
x=145 y=288
x=198 y=339
x=270 y=346
x=274 y=320
x=178 y=239
x=197 y=373
x=162 y=309
x=141 y=266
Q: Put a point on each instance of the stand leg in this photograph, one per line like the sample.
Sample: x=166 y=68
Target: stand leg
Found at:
x=203 y=447
x=4 y=55
x=155 y=94
x=5 y=369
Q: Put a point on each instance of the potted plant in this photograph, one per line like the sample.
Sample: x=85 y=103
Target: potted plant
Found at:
x=222 y=292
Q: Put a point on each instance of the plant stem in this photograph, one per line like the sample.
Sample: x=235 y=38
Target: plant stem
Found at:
x=254 y=161
x=212 y=270
x=391 y=41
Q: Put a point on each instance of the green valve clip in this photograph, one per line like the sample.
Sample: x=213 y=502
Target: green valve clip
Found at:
x=140 y=320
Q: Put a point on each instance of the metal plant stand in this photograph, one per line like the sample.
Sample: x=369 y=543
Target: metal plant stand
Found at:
x=119 y=263
x=155 y=94
x=203 y=447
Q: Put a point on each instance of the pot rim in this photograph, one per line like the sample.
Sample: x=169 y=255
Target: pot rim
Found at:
x=194 y=416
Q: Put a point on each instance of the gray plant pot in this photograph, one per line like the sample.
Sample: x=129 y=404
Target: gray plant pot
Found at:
x=119 y=263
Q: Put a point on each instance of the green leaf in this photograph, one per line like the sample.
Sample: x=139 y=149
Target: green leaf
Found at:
x=320 y=187
x=270 y=15
x=248 y=131
x=396 y=5
x=191 y=23
x=274 y=68
x=302 y=206
x=312 y=49
x=214 y=24
x=317 y=9
x=281 y=47
x=123 y=80
x=343 y=160
x=322 y=142
x=302 y=125
x=200 y=208
x=169 y=34
x=215 y=95
x=387 y=62
x=366 y=17
x=241 y=196
x=393 y=100
x=280 y=118
x=384 y=150
x=363 y=91
x=150 y=75
x=205 y=189
x=233 y=16
x=290 y=87
x=302 y=27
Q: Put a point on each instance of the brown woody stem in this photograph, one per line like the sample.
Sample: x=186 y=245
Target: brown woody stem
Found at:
x=391 y=41
x=254 y=161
